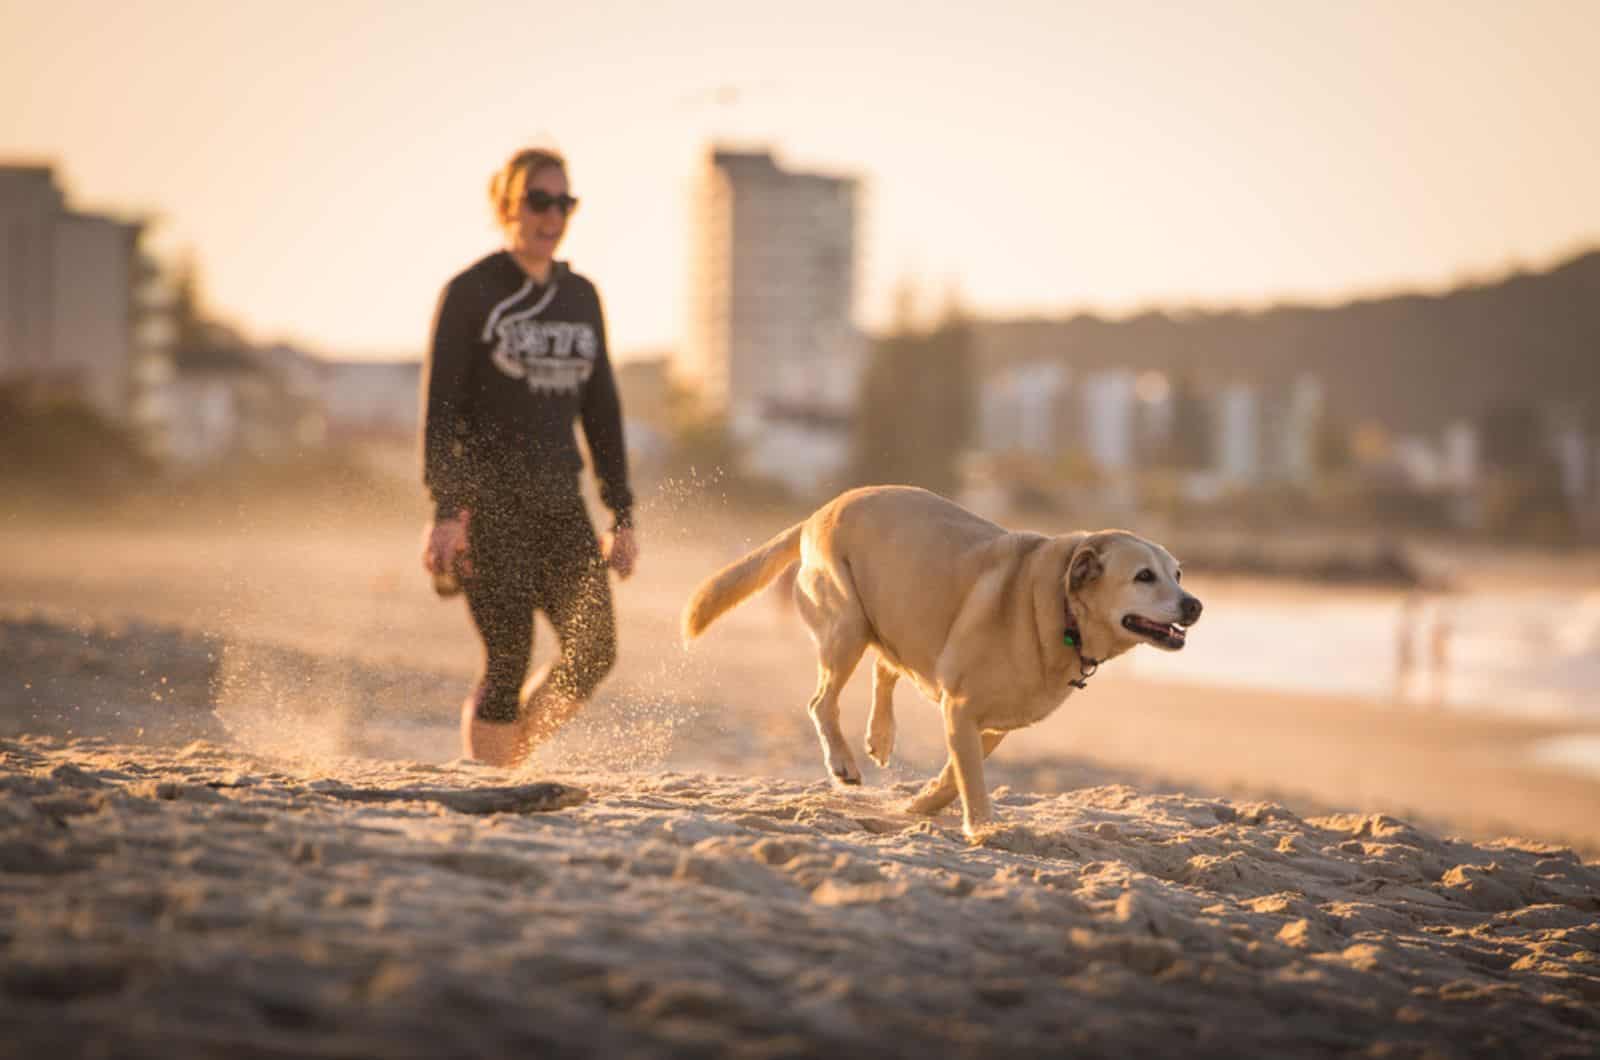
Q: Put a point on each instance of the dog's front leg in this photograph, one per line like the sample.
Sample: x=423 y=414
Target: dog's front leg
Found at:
x=965 y=742
x=941 y=790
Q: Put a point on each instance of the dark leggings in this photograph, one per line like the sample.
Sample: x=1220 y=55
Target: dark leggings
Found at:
x=536 y=551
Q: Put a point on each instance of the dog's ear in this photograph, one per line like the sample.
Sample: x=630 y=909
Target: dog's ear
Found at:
x=1086 y=567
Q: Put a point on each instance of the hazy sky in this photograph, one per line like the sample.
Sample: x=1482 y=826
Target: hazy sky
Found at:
x=327 y=160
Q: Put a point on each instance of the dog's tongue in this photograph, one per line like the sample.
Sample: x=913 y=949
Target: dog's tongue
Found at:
x=1171 y=632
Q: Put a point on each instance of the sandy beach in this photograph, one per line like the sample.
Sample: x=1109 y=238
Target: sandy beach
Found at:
x=234 y=824
x=202 y=901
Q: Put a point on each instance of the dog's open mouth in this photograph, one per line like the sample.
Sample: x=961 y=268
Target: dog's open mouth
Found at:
x=1167 y=635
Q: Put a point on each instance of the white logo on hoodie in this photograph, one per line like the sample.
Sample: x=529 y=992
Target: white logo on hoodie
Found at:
x=554 y=356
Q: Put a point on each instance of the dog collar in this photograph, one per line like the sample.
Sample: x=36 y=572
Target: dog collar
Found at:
x=1073 y=638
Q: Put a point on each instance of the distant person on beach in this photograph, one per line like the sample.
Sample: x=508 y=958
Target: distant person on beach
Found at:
x=1439 y=655
x=1405 y=645
x=518 y=354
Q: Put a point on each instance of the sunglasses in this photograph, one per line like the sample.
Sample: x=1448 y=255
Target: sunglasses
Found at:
x=539 y=201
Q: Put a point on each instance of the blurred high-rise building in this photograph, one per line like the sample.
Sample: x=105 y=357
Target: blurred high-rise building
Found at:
x=70 y=283
x=1291 y=416
x=1459 y=449
x=771 y=326
x=1020 y=410
x=1109 y=405
x=1238 y=433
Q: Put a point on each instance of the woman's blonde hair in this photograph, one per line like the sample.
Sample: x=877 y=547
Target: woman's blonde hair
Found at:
x=510 y=180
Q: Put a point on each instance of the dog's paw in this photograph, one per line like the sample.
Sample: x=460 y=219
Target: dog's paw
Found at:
x=978 y=831
x=880 y=744
x=841 y=763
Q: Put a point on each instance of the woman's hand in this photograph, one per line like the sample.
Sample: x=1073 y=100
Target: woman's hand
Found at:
x=444 y=548
x=621 y=550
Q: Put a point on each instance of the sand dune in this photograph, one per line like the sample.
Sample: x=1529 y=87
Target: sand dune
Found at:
x=205 y=901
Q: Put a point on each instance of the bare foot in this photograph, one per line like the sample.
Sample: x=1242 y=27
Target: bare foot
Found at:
x=495 y=743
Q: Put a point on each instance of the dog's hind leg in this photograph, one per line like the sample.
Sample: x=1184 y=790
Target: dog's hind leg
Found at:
x=941 y=791
x=836 y=661
x=880 y=723
x=840 y=631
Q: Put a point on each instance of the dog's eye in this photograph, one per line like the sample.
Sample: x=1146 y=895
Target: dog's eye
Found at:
x=1146 y=575
x=1177 y=575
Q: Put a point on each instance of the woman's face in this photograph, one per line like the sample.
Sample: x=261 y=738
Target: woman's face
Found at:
x=538 y=225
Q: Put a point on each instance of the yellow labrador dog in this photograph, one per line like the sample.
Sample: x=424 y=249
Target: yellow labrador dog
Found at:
x=996 y=627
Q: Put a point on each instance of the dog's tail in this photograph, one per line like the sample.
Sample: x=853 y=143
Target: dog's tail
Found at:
x=740 y=579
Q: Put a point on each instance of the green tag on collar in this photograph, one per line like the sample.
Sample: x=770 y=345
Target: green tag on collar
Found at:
x=1068 y=639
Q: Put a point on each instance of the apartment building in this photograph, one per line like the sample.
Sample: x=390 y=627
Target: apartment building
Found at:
x=772 y=292
x=69 y=283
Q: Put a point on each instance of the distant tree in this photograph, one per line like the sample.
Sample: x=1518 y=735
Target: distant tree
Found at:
x=1512 y=438
x=918 y=404
x=699 y=438
x=884 y=445
x=190 y=328
x=1193 y=431
x=1524 y=496
x=65 y=447
x=1331 y=446
x=199 y=338
x=952 y=391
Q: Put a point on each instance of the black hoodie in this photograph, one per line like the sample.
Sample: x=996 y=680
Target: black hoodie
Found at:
x=512 y=364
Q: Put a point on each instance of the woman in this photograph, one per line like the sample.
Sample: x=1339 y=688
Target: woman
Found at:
x=519 y=353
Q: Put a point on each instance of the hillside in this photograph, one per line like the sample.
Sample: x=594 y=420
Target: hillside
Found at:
x=1412 y=361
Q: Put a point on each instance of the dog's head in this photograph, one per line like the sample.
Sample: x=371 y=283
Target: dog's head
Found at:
x=1123 y=591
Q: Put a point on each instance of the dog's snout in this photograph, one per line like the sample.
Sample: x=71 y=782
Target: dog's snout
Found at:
x=1190 y=607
